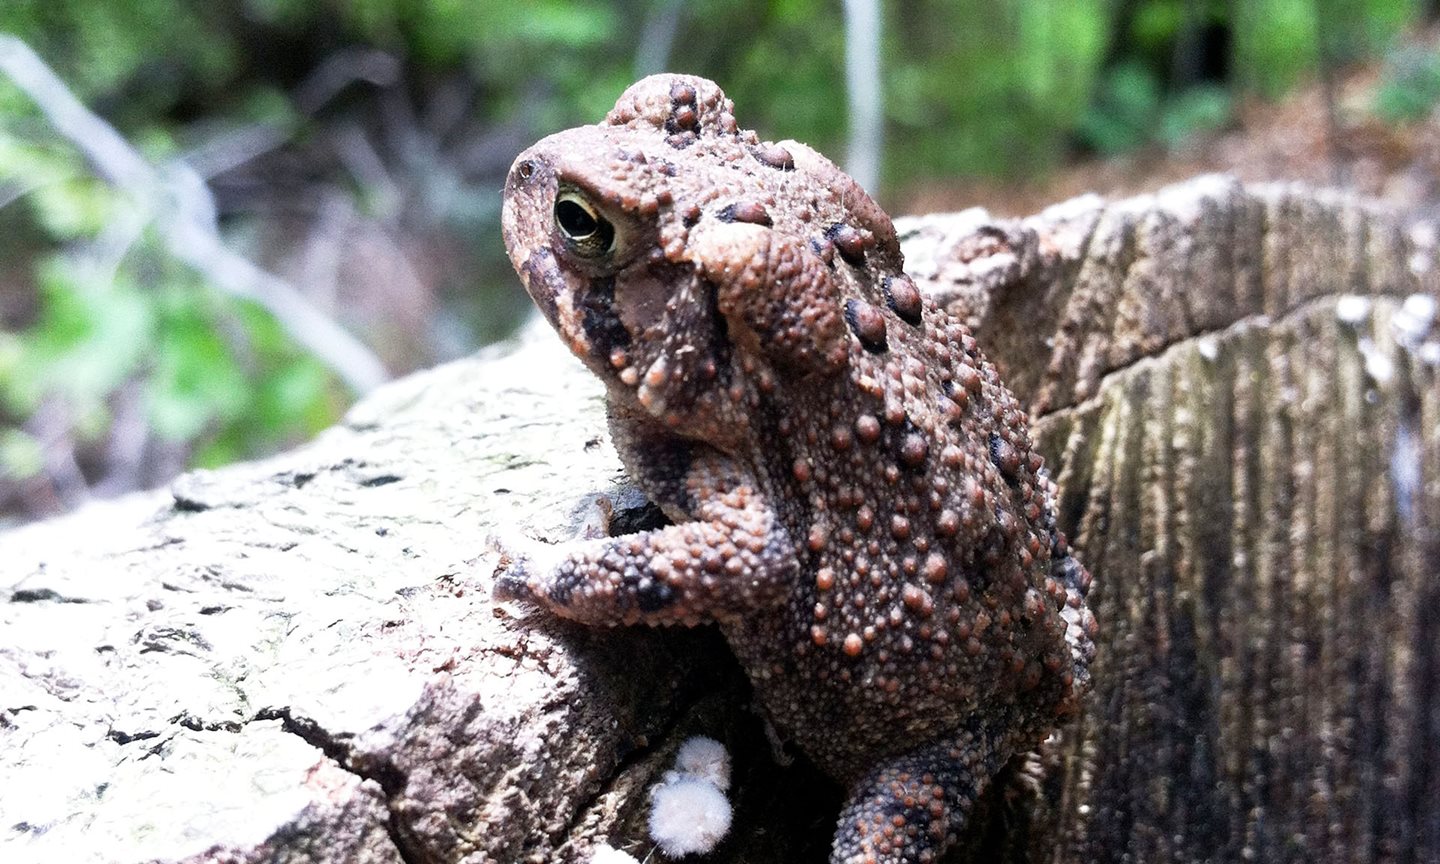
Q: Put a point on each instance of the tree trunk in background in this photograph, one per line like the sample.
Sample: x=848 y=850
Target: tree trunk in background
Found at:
x=298 y=660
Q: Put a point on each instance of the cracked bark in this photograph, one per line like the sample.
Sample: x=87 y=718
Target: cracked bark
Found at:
x=297 y=660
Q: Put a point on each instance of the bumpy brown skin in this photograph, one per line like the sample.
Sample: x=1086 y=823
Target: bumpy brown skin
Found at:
x=856 y=499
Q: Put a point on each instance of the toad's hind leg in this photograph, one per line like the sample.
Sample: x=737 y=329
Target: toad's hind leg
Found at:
x=910 y=808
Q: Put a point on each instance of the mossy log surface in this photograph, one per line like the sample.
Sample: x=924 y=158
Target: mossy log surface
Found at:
x=299 y=660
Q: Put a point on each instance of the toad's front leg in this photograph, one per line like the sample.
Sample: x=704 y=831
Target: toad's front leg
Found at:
x=733 y=558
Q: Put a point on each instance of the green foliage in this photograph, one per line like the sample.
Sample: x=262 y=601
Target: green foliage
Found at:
x=213 y=372
x=569 y=44
x=1122 y=116
x=980 y=87
x=1132 y=110
x=990 y=88
x=152 y=51
x=1279 y=42
x=1152 y=93
x=1410 y=86
x=69 y=204
x=284 y=393
x=88 y=340
x=1193 y=110
x=1275 y=44
x=788 y=39
x=21 y=456
x=972 y=86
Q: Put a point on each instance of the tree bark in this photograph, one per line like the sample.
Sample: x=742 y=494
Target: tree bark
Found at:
x=298 y=659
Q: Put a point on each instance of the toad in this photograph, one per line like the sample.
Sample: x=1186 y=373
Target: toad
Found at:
x=855 y=498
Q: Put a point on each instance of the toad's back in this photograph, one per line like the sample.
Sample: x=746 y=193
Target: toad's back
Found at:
x=856 y=498
x=931 y=573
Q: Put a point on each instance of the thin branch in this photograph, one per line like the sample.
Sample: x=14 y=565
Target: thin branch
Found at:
x=235 y=148
x=51 y=425
x=367 y=167
x=183 y=210
x=342 y=69
x=124 y=447
x=862 y=86
x=657 y=38
x=321 y=256
x=1327 y=60
x=10 y=191
x=113 y=157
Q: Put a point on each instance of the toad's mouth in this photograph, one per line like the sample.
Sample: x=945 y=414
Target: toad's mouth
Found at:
x=541 y=276
x=583 y=315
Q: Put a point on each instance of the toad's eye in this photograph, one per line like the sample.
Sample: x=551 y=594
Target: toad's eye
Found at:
x=588 y=233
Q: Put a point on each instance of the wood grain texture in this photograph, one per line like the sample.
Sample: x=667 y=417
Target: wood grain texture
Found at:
x=1242 y=407
x=297 y=660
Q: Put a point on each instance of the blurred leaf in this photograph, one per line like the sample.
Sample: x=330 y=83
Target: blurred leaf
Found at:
x=194 y=380
x=266 y=104
x=1409 y=86
x=34 y=165
x=297 y=392
x=73 y=207
x=20 y=454
x=1198 y=109
x=1275 y=43
x=991 y=88
x=564 y=25
x=1124 y=109
x=67 y=201
x=1157 y=23
x=90 y=338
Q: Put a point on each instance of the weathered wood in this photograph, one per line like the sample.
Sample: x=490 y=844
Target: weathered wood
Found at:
x=1242 y=408
x=297 y=660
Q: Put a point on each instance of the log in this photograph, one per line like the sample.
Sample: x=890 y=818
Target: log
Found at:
x=298 y=659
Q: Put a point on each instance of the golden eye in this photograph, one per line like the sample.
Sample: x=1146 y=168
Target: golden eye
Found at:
x=586 y=232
